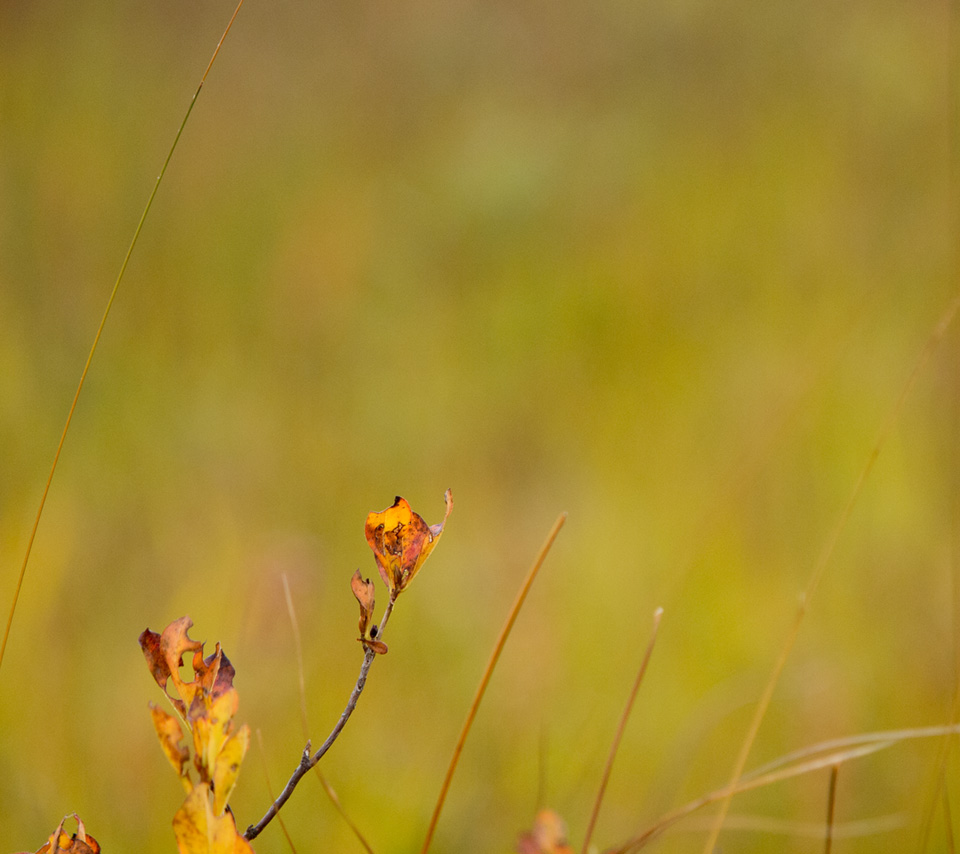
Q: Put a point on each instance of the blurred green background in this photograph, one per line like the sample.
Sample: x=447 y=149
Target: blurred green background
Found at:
x=664 y=266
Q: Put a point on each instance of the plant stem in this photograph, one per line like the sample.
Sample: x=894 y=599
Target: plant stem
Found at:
x=831 y=807
x=96 y=339
x=619 y=735
x=308 y=761
x=487 y=673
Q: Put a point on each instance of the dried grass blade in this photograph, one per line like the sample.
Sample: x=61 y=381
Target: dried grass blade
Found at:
x=487 y=673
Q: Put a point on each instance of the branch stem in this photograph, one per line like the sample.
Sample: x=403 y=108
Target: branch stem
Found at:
x=308 y=761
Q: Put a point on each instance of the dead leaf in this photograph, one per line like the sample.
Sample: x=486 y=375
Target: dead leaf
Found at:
x=364 y=590
x=77 y=843
x=164 y=654
x=402 y=541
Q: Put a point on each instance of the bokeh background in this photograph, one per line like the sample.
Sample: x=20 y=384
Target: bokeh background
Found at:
x=663 y=266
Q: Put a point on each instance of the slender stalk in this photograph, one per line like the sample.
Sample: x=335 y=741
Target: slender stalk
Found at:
x=746 y=785
x=327 y=788
x=820 y=567
x=304 y=722
x=99 y=333
x=308 y=761
x=343 y=813
x=947 y=819
x=824 y=754
x=620 y=730
x=831 y=806
x=487 y=673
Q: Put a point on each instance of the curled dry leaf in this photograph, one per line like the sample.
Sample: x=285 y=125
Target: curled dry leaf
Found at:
x=164 y=654
x=402 y=541
x=548 y=836
x=76 y=843
x=364 y=591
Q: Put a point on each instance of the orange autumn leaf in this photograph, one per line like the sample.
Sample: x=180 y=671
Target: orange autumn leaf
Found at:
x=75 y=843
x=402 y=541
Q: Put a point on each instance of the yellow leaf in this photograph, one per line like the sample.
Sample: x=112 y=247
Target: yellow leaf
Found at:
x=199 y=831
x=170 y=735
x=227 y=767
x=211 y=730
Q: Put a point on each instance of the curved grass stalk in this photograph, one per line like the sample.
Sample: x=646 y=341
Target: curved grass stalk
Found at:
x=266 y=777
x=620 y=729
x=823 y=561
x=487 y=673
x=824 y=754
x=96 y=338
x=831 y=806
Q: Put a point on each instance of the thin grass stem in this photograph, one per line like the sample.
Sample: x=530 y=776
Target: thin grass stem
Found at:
x=620 y=730
x=266 y=777
x=824 y=560
x=485 y=679
x=831 y=806
x=298 y=644
x=332 y=795
x=96 y=340
x=947 y=818
x=824 y=754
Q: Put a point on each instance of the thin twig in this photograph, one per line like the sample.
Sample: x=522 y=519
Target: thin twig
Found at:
x=327 y=788
x=620 y=729
x=831 y=806
x=820 y=567
x=96 y=339
x=306 y=760
x=487 y=673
